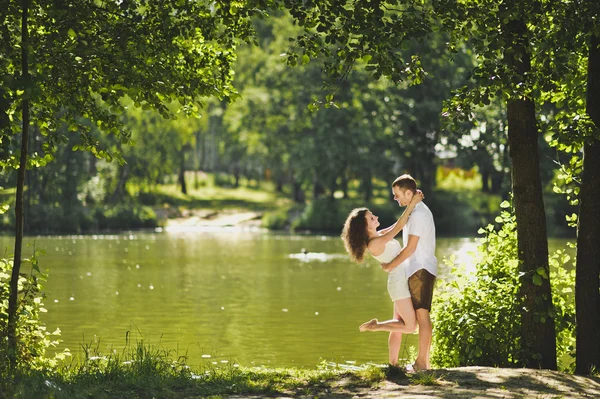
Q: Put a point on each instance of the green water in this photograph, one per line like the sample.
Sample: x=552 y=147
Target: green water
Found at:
x=239 y=296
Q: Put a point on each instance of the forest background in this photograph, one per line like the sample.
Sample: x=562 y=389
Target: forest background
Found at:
x=318 y=165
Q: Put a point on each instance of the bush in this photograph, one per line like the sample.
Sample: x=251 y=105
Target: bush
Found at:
x=125 y=216
x=279 y=219
x=321 y=215
x=462 y=213
x=33 y=338
x=476 y=316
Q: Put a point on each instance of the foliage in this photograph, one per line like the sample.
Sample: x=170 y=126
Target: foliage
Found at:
x=477 y=316
x=34 y=337
x=279 y=219
x=321 y=215
x=125 y=216
x=461 y=212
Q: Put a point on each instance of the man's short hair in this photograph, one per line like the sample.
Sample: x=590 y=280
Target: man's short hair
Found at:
x=405 y=182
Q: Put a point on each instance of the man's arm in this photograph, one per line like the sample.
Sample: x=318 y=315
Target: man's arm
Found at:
x=406 y=252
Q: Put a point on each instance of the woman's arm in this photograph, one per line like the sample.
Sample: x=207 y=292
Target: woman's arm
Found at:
x=390 y=232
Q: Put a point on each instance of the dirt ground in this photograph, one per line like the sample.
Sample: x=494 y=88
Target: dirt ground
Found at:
x=468 y=383
x=199 y=219
x=486 y=382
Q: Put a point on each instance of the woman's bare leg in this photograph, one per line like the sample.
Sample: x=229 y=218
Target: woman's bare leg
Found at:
x=404 y=320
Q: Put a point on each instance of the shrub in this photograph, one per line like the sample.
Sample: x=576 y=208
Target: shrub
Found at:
x=125 y=216
x=33 y=338
x=279 y=219
x=476 y=315
x=321 y=215
x=461 y=213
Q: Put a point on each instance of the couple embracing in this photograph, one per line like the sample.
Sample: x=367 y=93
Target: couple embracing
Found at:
x=411 y=268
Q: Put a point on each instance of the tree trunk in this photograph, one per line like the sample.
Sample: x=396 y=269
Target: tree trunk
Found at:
x=497 y=180
x=367 y=186
x=119 y=192
x=297 y=193
x=538 y=336
x=318 y=189
x=587 y=285
x=182 y=172
x=14 y=281
x=344 y=184
x=485 y=178
x=31 y=180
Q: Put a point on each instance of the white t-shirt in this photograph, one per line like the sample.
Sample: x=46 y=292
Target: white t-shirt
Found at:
x=420 y=223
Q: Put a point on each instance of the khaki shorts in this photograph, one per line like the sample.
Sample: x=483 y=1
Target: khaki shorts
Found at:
x=420 y=285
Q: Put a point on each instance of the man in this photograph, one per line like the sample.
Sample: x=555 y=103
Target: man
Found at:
x=418 y=236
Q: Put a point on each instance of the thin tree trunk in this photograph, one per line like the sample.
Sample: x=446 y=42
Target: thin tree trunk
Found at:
x=485 y=178
x=587 y=285
x=182 y=173
x=538 y=336
x=119 y=192
x=318 y=189
x=14 y=281
x=344 y=183
x=367 y=186
x=297 y=193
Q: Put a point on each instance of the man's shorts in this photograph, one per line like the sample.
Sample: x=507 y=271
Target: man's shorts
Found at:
x=420 y=285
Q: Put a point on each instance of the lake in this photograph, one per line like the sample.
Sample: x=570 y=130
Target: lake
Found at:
x=224 y=296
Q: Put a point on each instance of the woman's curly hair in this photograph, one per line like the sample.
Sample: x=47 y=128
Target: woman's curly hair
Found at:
x=355 y=235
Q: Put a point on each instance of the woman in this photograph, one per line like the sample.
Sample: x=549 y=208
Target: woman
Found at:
x=360 y=234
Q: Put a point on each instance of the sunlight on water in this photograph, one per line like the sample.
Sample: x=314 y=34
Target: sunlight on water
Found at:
x=241 y=296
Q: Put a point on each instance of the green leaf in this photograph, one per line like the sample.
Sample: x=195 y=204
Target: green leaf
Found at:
x=537 y=279
x=72 y=33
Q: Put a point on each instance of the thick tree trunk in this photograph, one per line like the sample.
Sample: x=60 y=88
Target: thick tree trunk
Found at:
x=538 y=336
x=14 y=281
x=587 y=284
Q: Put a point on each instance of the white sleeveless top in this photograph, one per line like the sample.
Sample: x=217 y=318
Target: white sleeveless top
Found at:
x=397 y=284
x=392 y=249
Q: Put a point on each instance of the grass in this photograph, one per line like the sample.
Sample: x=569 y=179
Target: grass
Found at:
x=209 y=194
x=424 y=378
x=143 y=371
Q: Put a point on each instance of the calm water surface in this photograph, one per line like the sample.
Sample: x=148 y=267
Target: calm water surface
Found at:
x=240 y=296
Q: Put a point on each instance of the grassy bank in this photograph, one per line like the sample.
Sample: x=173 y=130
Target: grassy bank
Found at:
x=146 y=372
x=143 y=371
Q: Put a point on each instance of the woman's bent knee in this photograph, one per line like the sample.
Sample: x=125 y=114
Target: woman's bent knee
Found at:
x=410 y=325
